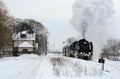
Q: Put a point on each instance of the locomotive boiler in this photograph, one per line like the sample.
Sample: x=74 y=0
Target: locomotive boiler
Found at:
x=79 y=49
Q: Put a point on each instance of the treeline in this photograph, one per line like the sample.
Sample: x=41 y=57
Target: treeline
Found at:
x=111 y=49
x=5 y=37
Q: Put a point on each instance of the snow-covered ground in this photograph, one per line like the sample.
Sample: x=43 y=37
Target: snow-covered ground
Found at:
x=54 y=66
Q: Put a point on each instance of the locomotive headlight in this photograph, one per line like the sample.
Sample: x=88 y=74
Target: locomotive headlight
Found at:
x=89 y=53
x=84 y=42
x=81 y=53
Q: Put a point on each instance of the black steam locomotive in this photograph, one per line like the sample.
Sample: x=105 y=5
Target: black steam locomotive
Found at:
x=79 y=49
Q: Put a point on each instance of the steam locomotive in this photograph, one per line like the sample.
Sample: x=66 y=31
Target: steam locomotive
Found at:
x=79 y=49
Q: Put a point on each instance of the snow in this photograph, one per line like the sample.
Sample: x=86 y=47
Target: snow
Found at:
x=55 y=66
x=28 y=36
x=25 y=44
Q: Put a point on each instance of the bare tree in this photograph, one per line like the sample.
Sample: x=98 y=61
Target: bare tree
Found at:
x=5 y=37
x=112 y=48
x=4 y=31
x=3 y=12
x=37 y=26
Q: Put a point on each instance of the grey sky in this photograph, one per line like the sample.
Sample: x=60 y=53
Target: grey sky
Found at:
x=53 y=14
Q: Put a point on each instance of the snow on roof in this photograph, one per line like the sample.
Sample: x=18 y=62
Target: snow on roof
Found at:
x=28 y=36
x=25 y=44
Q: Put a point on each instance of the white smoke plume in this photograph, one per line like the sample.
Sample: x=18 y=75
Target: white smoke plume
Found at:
x=87 y=13
x=91 y=18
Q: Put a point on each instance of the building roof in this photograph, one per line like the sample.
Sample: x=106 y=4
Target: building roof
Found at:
x=25 y=44
x=28 y=36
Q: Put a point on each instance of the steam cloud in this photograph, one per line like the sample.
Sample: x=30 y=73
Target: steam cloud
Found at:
x=88 y=13
x=90 y=18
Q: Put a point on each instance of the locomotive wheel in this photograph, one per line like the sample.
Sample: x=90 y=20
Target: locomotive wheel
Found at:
x=90 y=58
x=71 y=55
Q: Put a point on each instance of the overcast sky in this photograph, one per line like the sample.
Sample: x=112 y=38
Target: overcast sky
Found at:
x=53 y=14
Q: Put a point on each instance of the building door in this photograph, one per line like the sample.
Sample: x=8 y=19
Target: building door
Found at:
x=25 y=50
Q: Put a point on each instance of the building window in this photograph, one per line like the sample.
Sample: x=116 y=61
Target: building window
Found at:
x=23 y=35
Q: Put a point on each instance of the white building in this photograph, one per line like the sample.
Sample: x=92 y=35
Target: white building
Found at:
x=24 y=42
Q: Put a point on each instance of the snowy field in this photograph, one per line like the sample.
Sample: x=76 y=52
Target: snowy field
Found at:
x=55 y=66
